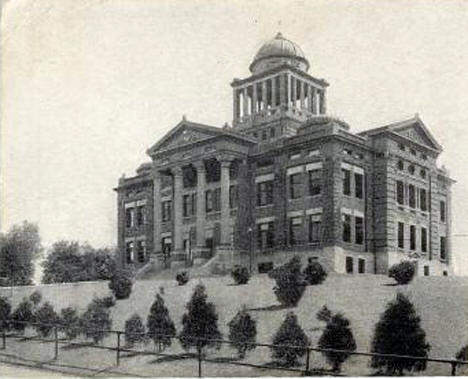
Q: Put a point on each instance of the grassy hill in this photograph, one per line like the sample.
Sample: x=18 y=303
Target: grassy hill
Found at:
x=442 y=303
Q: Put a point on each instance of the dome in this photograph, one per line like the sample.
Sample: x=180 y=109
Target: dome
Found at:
x=276 y=52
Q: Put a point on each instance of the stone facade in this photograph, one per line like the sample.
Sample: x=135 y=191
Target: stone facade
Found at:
x=286 y=179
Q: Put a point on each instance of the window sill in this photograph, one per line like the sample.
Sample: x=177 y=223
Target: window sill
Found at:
x=264 y=206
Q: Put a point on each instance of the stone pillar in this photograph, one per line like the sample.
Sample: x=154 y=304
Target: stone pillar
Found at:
x=301 y=83
x=264 y=95
x=201 y=182
x=309 y=98
x=293 y=91
x=177 y=207
x=156 y=212
x=245 y=103
x=273 y=91
x=225 y=211
x=314 y=101
x=323 y=104
x=235 y=106
x=288 y=91
x=282 y=89
x=254 y=99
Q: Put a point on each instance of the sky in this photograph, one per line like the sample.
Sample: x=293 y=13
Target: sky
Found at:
x=87 y=86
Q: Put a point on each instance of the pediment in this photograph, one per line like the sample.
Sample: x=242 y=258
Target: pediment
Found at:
x=417 y=132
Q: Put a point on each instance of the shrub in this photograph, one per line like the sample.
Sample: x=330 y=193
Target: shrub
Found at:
x=242 y=332
x=70 y=322
x=200 y=323
x=324 y=314
x=182 y=278
x=289 y=286
x=462 y=354
x=402 y=272
x=134 y=331
x=121 y=284
x=399 y=332
x=36 y=297
x=159 y=324
x=96 y=322
x=106 y=301
x=46 y=319
x=23 y=315
x=337 y=335
x=314 y=273
x=5 y=314
x=240 y=274
x=289 y=333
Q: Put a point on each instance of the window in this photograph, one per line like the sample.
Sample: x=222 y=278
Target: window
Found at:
x=272 y=132
x=141 y=219
x=445 y=273
x=186 y=206
x=265 y=235
x=412 y=237
x=315 y=228
x=265 y=267
x=422 y=172
x=400 y=192
x=401 y=147
x=424 y=157
x=233 y=194
x=411 y=196
x=141 y=250
x=265 y=193
x=346 y=221
x=424 y=240
x=315 y=182
x=411 y=169
x=359 y=185
x=295 y=185
x=443 y=248
x=166 y=210
x=401 y=165
x=443 y=215
x=166 y=245
x=130 y=217
x=255 y=134
x=212 y=200
x=413 y=152
x=426 y=270
x=295 y=226
x=209 y=201
x=423 y=199
x=359 y=230
x=349 y=265
x=129 y=251
x=401 y=235
x=264 y=135
x=361 y=266
x=347 y=152
x=313 y=153
x=346 y=181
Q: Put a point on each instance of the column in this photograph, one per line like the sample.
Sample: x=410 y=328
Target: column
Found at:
x=245 y=103
x=282 y=89
x=201 y=182
x=288 y=91
x=157 y=248
x=254 y=99
x=293 y=91
x=225 y=211
x=264 y=95
x=235 y=106
x=301 y=83
x=323 y=105
x=314 y=101
x=177 y=210
x=273 y=92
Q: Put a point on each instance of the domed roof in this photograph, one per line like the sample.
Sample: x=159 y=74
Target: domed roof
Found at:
x=279 y=51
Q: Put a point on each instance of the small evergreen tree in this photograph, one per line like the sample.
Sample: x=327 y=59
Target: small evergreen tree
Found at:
x=399 y=332
x=106 y=301
x=36 y=297
x=242 y=332
x=200 y=323
x=240 y=274
x=324 y=314
x=314 y=273
x=402 y=272
x=70 y=322
x=5 y=314
x=134 y=331
x=182 y=278
x=337 y=335
x=46 y=318
x=23 y=315
x=160 y=327
x=96 y=322
x=121 y=284
x=290 y=285
x=289 y=333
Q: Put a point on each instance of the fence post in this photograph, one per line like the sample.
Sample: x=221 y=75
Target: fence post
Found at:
x=454 y=368
x=118 y=349
x=56 y=343
x=3 y=340
x=199 y=360
x=307 y=361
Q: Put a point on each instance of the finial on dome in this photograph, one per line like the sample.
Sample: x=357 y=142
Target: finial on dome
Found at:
x=279 y=35
x=184 y=117
x=226 y=126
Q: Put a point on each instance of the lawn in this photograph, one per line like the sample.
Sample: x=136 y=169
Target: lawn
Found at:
x=442 y=303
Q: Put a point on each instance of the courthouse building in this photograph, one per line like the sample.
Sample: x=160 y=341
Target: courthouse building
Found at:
x=287 y=179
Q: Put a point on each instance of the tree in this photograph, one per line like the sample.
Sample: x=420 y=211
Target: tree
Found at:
x=121 y=284
x=46 y=318
x=23 y=315
x=64 y=263
x=200 y=323
x=96 y=322
x=290 y=285
x=402 y=272
x=240 y=274
x=70 y=322
x=399 y=332
x=134 y=331
x=18 y=250
x=5 y=314
x=290 y=342
x=324 y=314
x=314 y=273
x=337 y=335
x=182 y=278
x=161 y=329
x=36 y=297
x=242 y=332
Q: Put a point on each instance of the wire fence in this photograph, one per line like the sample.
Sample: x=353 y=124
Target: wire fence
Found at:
x=304 y=368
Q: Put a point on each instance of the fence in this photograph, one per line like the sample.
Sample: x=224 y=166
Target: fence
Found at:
x=305 y=369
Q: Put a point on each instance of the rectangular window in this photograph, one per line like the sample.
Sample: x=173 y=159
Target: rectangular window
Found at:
x=443 y=212
x=426 y=270
x=423 y=199
x=209 y=202
x=265 y=235
x=265 y=193
x=362 y=266
x=401 y=235
x=141 y=219
x=412 y=237
x=129 y=251
x=166 y=245
x=194 y=204
x=359 y=185
x=166 y=210
x=349 y=265
x=315 y=228
x=186 y=206
x=295 y=226
x=411 y=196
x=233 y=197
x=359 y=230
x=424 y=240
x=346 y=181
x=295 y=185
x=443 y=247
x=130 y=217
x=217 y=199
x=141 y=250
x=400 y=189
x=315 y=182
x=346 y=220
